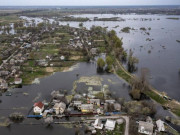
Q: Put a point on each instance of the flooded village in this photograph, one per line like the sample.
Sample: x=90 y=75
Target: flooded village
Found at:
x=59 y=76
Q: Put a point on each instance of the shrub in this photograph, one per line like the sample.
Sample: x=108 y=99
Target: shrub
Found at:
x=136 y=94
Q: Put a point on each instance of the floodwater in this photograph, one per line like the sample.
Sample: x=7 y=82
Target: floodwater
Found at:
x=161 y=55
x=19 y=102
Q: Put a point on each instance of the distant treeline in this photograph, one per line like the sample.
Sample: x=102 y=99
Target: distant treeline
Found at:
x=55 y=12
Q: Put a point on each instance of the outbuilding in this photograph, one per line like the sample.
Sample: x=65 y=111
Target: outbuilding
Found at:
x=160 y=125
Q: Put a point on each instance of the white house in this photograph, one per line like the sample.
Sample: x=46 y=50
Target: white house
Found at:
x=59 y=108
x=62 y=57
x=17 y=81
x=98 y=124
x=160 y=125
x=110 y=124
x=145 y=128
x=38 y=108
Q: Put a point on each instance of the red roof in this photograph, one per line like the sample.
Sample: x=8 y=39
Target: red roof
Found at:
x=39 y=104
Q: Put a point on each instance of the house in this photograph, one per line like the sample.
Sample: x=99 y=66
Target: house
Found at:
x=47 y=57
x=17 y=81
x=59 y=108
x=38 y=108
x=3 y=84
x=95 y=101
x=77 y=103
x=62 y=57
x=145 y=128
x=98 y=124
x=75 y=33
x=160 y=125
x=89 y=43
x=93 y=51
x=12 y=61
x=110 y=124
x=117 y=107
x=87 y=108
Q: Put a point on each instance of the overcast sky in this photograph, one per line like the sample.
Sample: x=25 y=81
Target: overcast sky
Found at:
x=87 y=2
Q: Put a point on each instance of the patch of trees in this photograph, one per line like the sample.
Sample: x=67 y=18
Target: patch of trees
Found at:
x=108 y=19
x=140 y=108
x=132 y=61
x=140 y=85
x=16 y=117
x=108 y=62
x=126 y=29
x=100 y=65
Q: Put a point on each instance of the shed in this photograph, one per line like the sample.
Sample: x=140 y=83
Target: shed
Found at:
x=98 y=124
x=160 y=125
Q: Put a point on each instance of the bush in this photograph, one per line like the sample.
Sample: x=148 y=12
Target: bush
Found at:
x=136 y=94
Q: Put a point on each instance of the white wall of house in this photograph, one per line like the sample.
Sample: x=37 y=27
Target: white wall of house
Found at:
x=37 y=110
